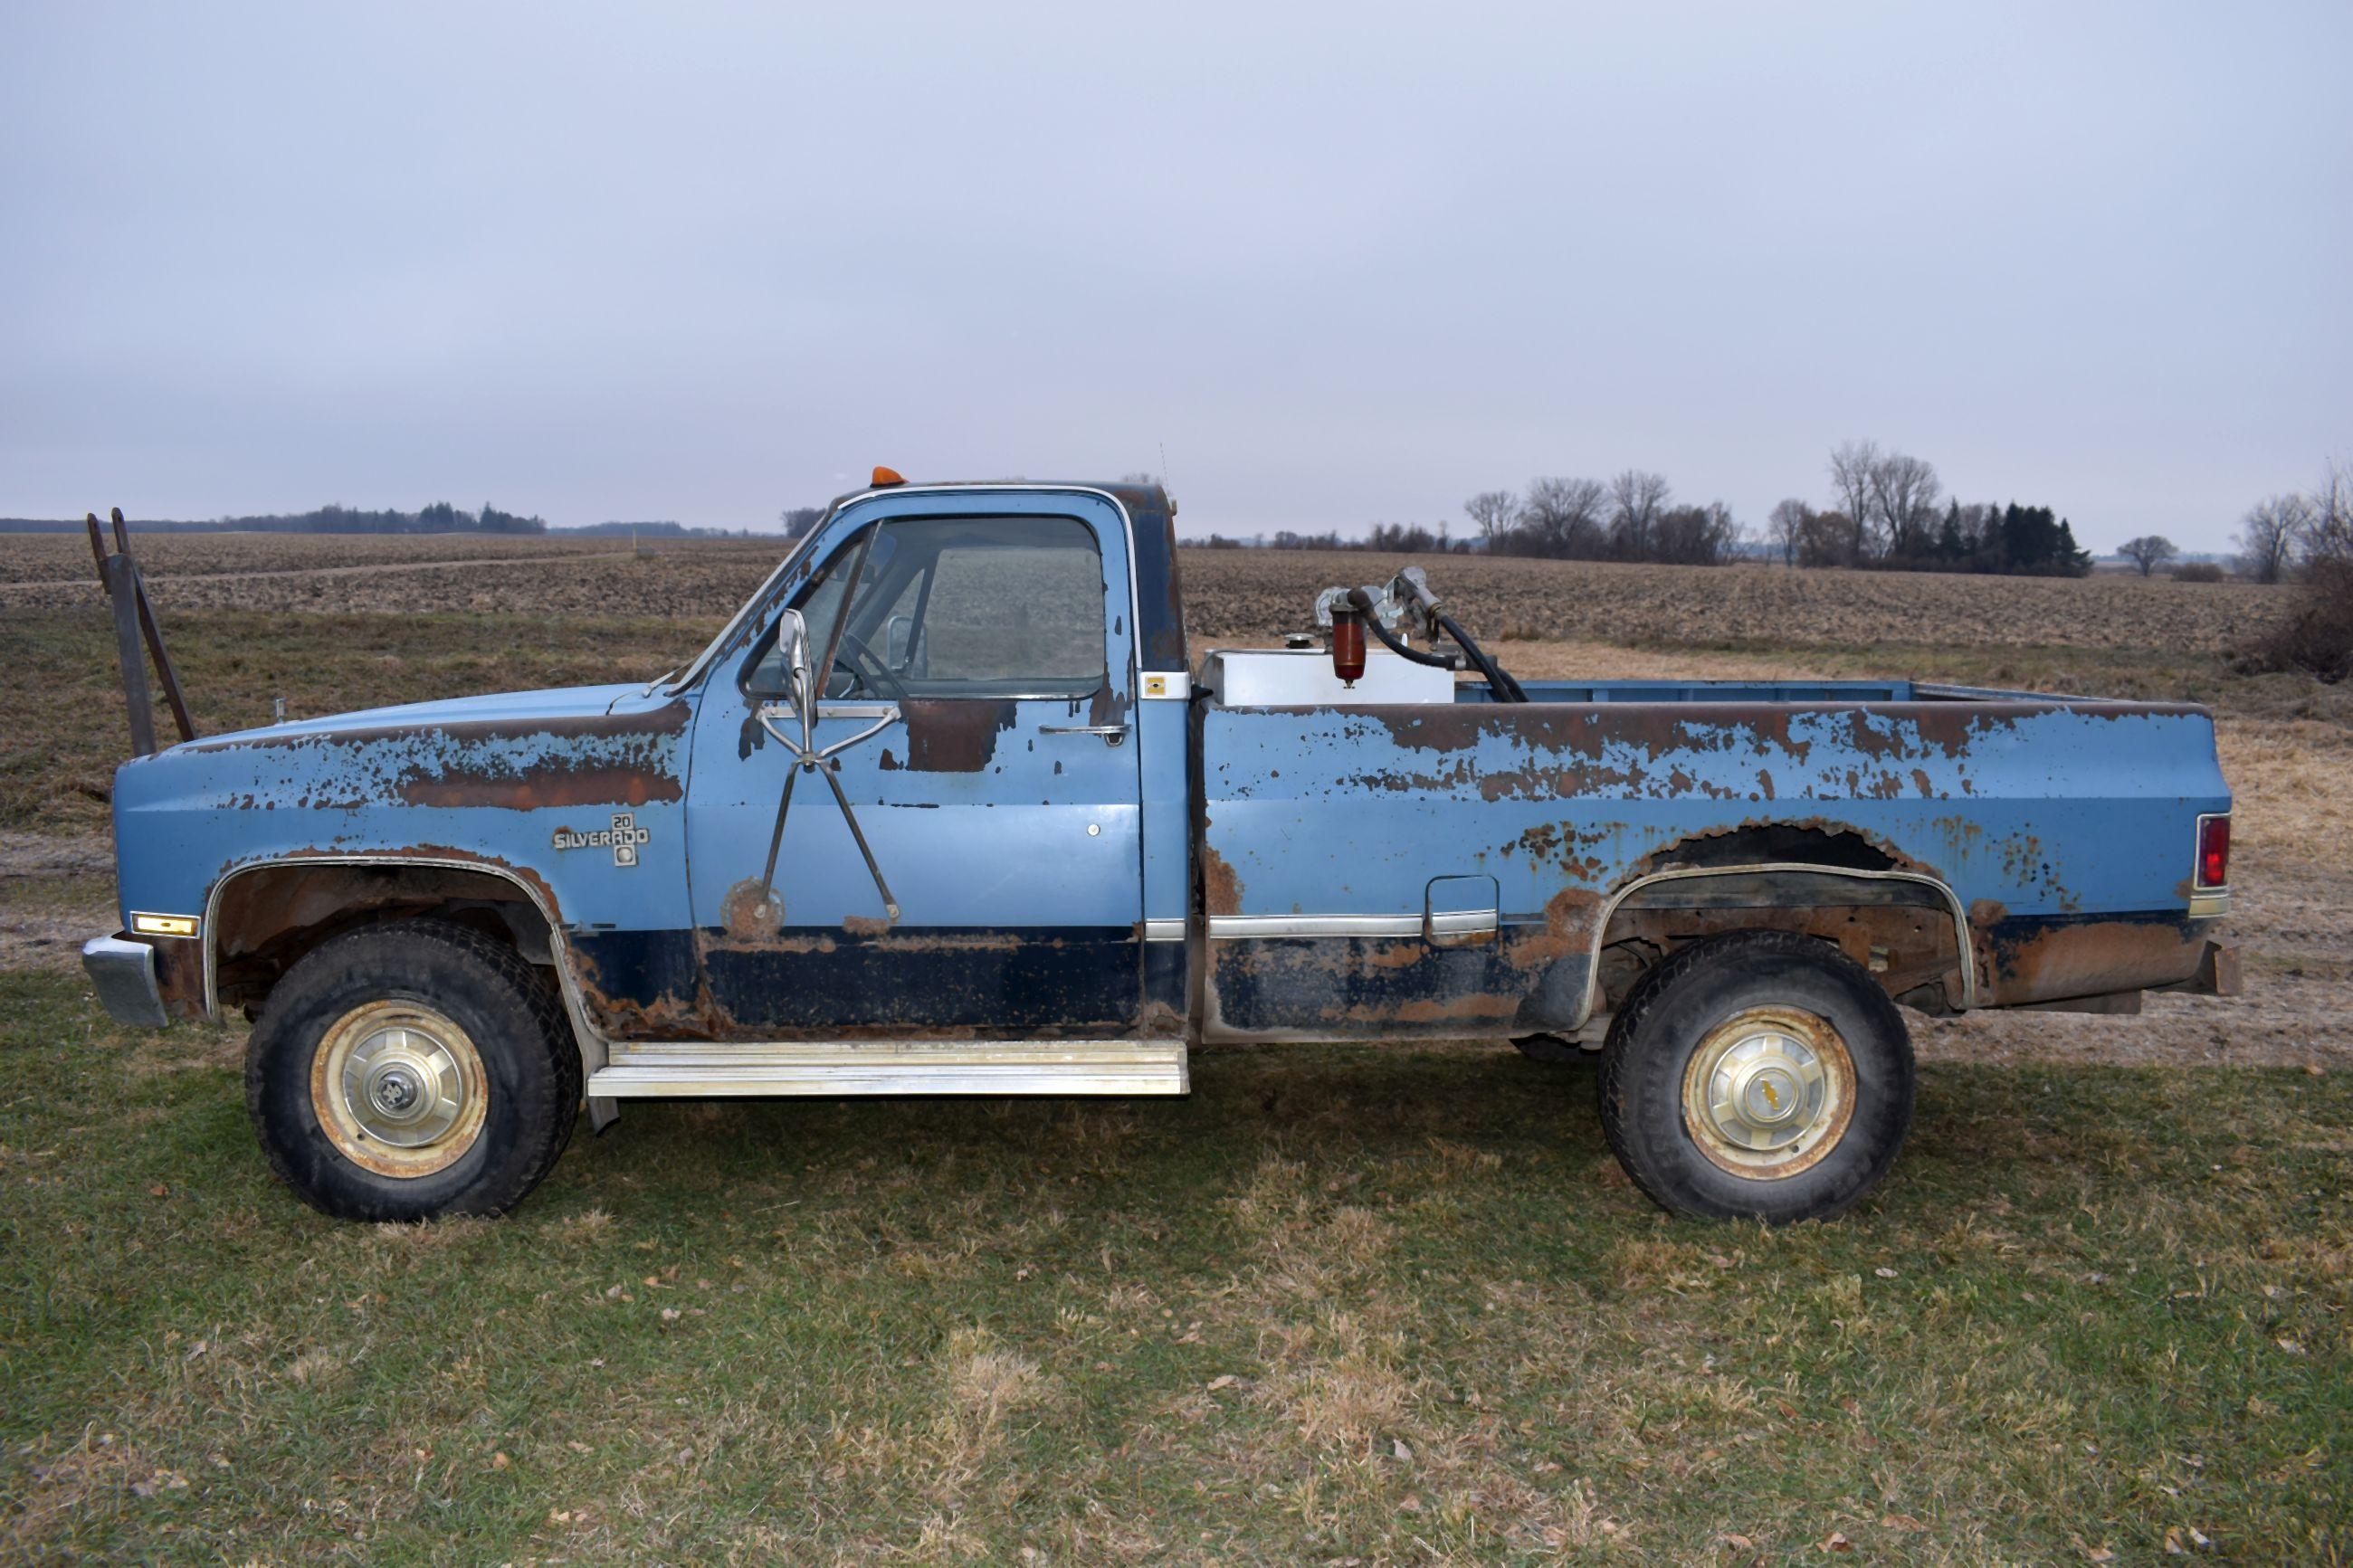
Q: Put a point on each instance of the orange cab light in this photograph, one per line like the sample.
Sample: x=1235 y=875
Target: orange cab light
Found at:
x=883 y=476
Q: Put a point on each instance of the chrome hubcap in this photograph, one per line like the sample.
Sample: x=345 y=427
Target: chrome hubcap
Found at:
x=1769 y=1092
x=398 y=1089
x=403 y=1087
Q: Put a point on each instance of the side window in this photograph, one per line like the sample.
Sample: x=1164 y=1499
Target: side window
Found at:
x=982 y=607
x=1020 y=608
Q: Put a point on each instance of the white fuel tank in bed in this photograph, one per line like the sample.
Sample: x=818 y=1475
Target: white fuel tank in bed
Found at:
x=1296 y=678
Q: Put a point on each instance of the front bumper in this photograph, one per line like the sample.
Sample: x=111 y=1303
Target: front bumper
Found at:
x=122 y=972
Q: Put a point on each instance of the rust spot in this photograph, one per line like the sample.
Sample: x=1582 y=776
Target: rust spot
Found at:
x=1221 y=890
x=865 y=925
x=1470 y=1007
x=563 y=781
x=2044 y=961
x=180 y=975
x=749 y=912
x=1570 y=916
x=944 y=942
x=953 y=736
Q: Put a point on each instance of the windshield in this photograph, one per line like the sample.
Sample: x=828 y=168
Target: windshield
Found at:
x=965 y=606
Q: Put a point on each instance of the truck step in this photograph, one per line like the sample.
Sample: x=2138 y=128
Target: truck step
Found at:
x=894 y=1067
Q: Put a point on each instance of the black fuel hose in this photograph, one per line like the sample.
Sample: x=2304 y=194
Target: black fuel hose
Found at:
x=1362 y=603
x=1507 y=689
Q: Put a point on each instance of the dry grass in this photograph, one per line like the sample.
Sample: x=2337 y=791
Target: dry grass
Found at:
x=65 y=557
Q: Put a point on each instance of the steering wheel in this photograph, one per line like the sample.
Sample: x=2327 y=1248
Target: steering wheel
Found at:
x=866 y=666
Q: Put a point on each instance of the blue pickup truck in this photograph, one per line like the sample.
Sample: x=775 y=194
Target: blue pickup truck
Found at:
x=947 y=808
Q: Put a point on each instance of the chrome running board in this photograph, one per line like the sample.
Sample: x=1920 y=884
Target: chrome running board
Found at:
x=892 y=1067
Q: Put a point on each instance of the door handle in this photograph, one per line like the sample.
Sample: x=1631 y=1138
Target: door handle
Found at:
x=1113 y=734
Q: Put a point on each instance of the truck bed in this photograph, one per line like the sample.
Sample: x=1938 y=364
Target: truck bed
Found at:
x=1443 y=867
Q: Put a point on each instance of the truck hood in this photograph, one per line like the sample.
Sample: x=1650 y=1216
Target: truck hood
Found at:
x=616 y=746
x=513 y=710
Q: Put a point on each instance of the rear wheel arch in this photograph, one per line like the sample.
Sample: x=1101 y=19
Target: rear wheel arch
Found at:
x=1908 y=928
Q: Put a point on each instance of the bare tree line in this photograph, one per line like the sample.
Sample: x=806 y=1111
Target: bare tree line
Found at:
x=1632 y=517
x=2298 y=531
x=1890 y=511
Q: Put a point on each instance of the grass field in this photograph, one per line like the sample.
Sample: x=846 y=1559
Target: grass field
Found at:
x=1367 y=1305
x=1370 y=1305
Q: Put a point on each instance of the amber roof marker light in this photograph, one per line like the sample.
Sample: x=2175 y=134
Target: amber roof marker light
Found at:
x=884 y=478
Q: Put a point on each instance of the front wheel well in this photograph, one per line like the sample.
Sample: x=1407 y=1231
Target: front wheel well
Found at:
x=266 y=919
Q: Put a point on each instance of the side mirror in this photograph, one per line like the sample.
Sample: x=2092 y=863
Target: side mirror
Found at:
x=793 y=661
x=899 y=641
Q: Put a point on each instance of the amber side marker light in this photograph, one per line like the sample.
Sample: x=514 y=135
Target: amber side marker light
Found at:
x=884 y=477
x=164 y=925
x=2213 y=851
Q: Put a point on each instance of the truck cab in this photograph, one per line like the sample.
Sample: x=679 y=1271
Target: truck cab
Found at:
x=946 y=808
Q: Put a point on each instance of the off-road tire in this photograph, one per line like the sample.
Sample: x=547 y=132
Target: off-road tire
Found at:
x=1680 y=1003
x=515 y=1023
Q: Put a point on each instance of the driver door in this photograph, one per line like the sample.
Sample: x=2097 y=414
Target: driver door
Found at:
x=988 y=655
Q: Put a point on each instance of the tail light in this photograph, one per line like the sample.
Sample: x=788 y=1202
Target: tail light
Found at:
x=1349 y=646
x=2213 y=851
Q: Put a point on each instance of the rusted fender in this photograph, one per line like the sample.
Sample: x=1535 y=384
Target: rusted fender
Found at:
x=579 y=792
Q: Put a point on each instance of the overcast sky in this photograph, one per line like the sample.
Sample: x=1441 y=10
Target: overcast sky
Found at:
x=1341 y=265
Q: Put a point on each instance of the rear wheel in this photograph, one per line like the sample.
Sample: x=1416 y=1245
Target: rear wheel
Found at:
x=412 y=1070
x=1761 y=1075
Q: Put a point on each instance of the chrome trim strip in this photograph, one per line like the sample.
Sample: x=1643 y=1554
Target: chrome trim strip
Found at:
x=2209 y=903
x=1248 y=927
x=1165 y=929
x=1460 y=922
x=830 y=1067
x=1449 y=923
x=1609 y=910
x=595 y=1049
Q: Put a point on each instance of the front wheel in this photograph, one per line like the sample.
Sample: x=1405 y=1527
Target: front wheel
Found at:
x=1762 y=1075
x=411 y=1070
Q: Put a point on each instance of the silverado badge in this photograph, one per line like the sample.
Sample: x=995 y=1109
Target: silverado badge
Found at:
x=624 y=837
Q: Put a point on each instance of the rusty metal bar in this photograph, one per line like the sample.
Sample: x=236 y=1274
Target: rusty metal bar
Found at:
x=135 y=623
x=121 y=591
x=163 y=670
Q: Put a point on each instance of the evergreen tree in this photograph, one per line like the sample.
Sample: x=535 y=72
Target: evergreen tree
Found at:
x=2070 y=560
x=1950 y=546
